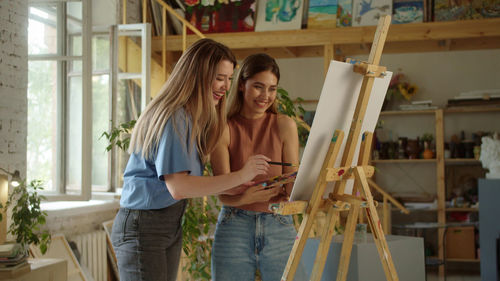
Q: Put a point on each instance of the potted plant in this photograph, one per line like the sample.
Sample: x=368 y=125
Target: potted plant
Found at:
x=427 y=139
x=27 y=216
x=399 y=91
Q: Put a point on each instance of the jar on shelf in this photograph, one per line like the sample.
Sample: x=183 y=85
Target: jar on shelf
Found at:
x=412 y=149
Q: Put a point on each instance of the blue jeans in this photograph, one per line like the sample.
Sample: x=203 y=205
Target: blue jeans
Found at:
x=148 y=243
x=246 y=241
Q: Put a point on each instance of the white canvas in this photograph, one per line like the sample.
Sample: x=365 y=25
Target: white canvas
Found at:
x=335 y=111
x=279 y=15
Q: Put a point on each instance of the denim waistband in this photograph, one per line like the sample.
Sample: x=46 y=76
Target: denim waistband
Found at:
x=236 y=210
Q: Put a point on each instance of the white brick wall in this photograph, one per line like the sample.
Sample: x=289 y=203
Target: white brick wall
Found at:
x=13 y=84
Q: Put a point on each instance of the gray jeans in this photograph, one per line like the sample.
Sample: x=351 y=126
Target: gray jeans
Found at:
x=148 y=243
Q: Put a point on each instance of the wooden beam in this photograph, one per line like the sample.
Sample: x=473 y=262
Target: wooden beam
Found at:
x=388 y=196
x=292 y=51
x=288 y=208
x=129 y=60
x=358 y=49
x=328 y=54
x=441 y=192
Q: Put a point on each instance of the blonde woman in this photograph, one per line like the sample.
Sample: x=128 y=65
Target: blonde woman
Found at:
x=169 y=146
x=248 y=237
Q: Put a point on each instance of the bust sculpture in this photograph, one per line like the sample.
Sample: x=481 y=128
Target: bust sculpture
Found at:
x=490 y=156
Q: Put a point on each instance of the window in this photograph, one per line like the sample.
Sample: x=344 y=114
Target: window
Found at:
x=75 y=87
x=59 y=100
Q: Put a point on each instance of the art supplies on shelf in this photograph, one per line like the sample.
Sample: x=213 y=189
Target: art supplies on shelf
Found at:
x=418 y=105
x=477 y=97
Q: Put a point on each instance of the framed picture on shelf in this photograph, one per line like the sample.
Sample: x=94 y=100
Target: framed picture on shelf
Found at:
x=322 y=14
x=279 y=15
x=408 y=11
x=344 y=13
x=367 y=12
x=218 y=16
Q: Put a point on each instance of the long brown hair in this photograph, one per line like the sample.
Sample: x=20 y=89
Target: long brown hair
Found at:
x=189 y=87
x=252 y=65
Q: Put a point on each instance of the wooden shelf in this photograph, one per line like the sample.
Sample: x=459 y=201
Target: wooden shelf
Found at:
x=402 y=38
x=392 y=161
x=472 y=109
x=407 y=112
x=461 y=109
x=462 y=260
x=457 y=260
x=462 y=209
x=462 y=161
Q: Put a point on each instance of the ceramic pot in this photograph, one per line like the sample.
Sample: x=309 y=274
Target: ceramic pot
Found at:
x=427 y=154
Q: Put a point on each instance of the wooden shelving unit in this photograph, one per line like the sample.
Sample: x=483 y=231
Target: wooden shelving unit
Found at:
x=402 y=38
x=440 y=161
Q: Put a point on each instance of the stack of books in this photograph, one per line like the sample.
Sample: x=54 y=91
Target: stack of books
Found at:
x=489 y=97
x=13 y=260
x=418 y=105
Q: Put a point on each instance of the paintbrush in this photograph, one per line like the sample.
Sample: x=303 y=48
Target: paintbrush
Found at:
x=282 y=164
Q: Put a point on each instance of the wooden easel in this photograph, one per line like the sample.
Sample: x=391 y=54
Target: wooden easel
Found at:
x=338 y=201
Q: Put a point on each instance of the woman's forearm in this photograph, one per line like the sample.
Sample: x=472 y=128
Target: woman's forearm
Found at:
x=182 y=185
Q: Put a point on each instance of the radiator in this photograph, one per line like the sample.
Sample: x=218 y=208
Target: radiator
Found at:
x=92 y=248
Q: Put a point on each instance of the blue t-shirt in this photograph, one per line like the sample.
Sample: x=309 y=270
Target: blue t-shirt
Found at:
x=143 y=184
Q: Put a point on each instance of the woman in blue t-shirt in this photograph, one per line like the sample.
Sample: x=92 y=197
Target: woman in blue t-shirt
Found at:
x=169 y=145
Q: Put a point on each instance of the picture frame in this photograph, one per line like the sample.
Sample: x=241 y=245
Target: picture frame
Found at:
x=368 y=12
x=279 y=15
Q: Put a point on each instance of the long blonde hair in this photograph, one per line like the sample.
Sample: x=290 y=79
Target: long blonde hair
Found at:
x=252 y=65
x=189 y=87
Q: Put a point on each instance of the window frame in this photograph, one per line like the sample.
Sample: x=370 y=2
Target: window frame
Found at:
x=62 y=60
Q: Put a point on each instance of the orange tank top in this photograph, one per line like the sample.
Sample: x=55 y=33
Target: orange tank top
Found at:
x=255 y=136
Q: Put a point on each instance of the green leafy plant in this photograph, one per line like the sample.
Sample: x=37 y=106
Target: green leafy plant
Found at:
x=287 y=106
x=427 y=137
x=119 y=136
x=197 y=226
x=27 y=216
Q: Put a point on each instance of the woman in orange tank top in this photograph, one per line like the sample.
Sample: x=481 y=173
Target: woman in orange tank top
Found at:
x=248 y=237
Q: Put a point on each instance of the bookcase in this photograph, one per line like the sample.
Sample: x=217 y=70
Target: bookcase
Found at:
x=436 y=171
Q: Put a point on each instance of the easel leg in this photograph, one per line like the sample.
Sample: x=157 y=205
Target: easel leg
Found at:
x=312 y=209
x=376 y=227
x=324 y=245
x=345 y=254
x=298 y=248
x=385 y=215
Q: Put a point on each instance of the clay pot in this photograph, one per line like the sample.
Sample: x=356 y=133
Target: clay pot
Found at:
x=427 y=154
